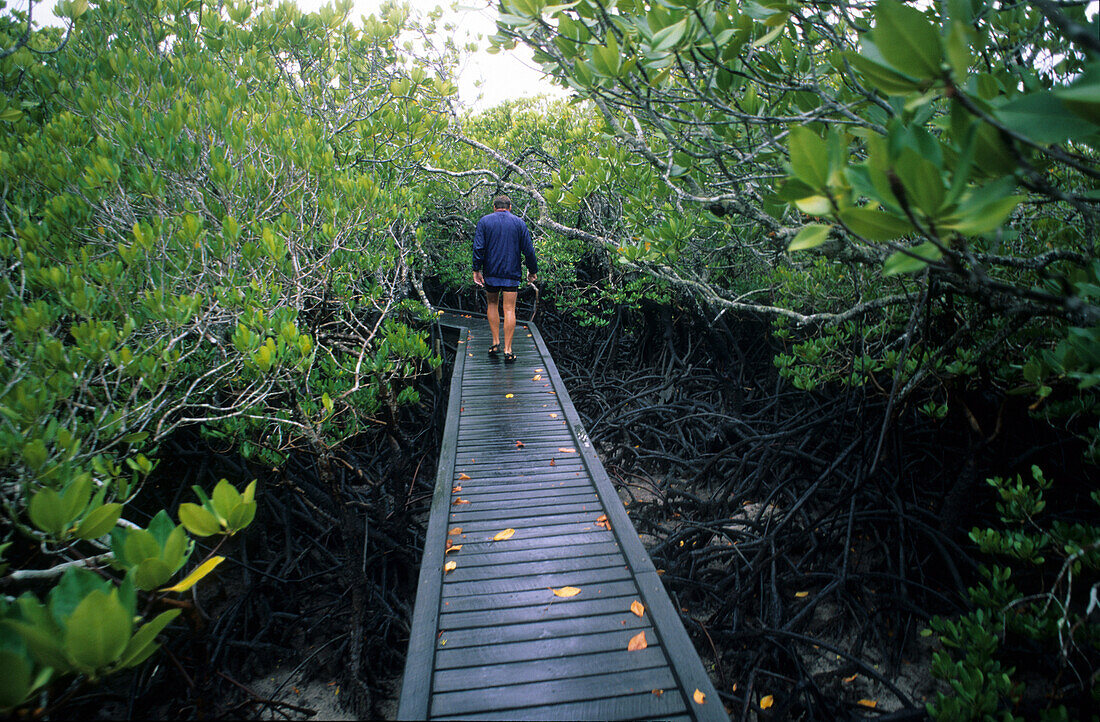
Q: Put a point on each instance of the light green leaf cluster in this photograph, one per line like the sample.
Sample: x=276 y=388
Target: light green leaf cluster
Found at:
x=210 y=219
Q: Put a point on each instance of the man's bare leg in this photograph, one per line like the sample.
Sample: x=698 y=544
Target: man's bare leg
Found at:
x=509 y=319
x=492 y=315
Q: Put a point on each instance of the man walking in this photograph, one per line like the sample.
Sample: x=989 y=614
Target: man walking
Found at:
x=499 y=241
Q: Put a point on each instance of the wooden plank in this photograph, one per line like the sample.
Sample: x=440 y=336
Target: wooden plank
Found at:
x=530 y=528
x=537 y=581
x=545 y=512
x=504 y=553
x=642 y=705
x=619 y=588
x=560 y=648
x=471 y=518
x=552 y=692
x=549 y=608
x=544 y=629
x=489 y=572
x=491 y=675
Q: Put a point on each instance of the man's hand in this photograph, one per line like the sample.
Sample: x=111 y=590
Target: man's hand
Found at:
x=479 y=279
x=531 y=276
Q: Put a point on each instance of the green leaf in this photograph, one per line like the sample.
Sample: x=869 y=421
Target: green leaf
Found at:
x=241 y=516
x=151 y=574
x=75 y=584
x=907 y=40
x=811 y=236
x=1043 y=118
x=47 y=512
x=98 y=631
x=814 y=205
x=224 y=498
x=99 y=521
x=143 y=643
x=886 y=79
x=43 y=644
x=15 y=682
x=1083 y=96
x=141 y=545
x=985 y=219
x=875 y=225
x=958 y=51
x=670 y=36
x=198 y=521
x=809 y=157
x=923 y=182
x=905 y=262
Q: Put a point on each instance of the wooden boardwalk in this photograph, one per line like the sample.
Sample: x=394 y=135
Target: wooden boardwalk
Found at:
x=490 y=640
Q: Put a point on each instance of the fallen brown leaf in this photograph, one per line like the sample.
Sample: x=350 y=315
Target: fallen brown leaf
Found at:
x=456 y=489
x=637 y=607
x=699 y=697
x=848 y=680
x=867 y=703
x=658 y=692
x=502 y=535
x=567 y=450
x=463 y=477
x=519 y=444
x=456 y=530
x=452 y=548
x=566 y=592
x=461 y=501
x=450 y=566
x=637 y=642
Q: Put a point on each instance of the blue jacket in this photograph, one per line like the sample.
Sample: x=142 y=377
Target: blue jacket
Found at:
x=499 y=241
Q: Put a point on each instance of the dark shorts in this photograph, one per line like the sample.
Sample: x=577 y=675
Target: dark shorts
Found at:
x=498 y=289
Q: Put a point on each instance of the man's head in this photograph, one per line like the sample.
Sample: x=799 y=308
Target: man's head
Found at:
x=502 y=203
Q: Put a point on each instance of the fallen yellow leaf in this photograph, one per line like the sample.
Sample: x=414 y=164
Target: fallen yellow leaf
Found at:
x=699 y=697
x=637 y=607
x=502 y=535
x=537 y=377
x=463 y=477
x=867 y=703
x=508 y=396
x=461 y=501
x=637 y=642
x=456 y=530
x=566 y=592
x=848 y=680
x=553 y=416
x=766 y=701
x=734 y=687
x=567 y=450
x=658 y=692
x=191 y=579
x=450 y=566
x=452 y=548
x=456 y=489
x=800 y=595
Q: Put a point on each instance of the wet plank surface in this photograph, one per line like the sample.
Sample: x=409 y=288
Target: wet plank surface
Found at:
x=490 y=639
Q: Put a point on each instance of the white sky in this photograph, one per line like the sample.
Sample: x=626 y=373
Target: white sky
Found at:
x=507 y=75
